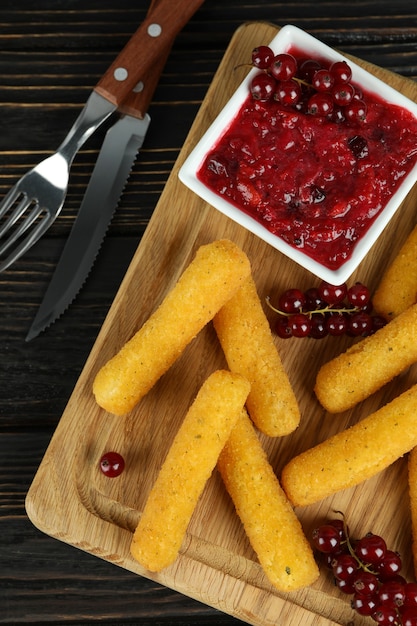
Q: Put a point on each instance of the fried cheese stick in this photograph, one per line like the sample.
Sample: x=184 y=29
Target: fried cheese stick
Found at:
x=212 y=278
x=189 y=463
x=245 y=336
x=368 y=365
x=354 y=455
x=412 y=489
x=271 y=525
x=397 y=289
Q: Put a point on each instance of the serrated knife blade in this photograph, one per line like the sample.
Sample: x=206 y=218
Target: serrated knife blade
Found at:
x=111 y=172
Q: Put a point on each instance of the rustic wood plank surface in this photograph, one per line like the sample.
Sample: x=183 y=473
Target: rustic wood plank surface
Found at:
x=51 y=54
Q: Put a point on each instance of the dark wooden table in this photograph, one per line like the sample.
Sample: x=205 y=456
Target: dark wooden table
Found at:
x=51 y=54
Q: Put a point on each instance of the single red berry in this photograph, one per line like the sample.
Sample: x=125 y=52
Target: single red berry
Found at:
x=288 y=92
x=283 y=67
x=345 y=567
x=300 y=325
x=262 y=87
x=262 y=57
x=390 y=566
x=385 y=615
x=307 y=70
x=358 y=295
x=356 y=111
x=326 y=539
x=323 y=80
x=332 y=294
x=112 y=464
x=341 y=71
x=291 y=301
x=392 y=593
x=365 y=583
x=282 y=328
x=371 y=549
x=320 y=104
x=364 y=605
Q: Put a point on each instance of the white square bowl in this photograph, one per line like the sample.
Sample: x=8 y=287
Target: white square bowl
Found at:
x=287 y=38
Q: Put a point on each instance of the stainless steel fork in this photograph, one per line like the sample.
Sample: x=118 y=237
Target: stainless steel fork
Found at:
x=33 y=204
x=30 y=207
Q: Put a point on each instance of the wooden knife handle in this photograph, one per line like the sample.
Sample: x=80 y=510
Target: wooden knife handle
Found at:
x=143 y=51
x=138 y=100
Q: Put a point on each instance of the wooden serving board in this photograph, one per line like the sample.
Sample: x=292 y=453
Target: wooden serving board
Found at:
x=71 y=500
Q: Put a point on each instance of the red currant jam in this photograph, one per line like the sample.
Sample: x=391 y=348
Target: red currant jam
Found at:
x=318 y=181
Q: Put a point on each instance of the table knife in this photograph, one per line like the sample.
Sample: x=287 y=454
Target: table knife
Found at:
x=117 y=155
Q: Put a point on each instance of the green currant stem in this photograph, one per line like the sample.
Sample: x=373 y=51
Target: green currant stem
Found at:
x=326 y=309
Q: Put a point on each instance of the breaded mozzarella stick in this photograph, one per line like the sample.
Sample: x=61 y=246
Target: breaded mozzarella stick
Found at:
x=368 y=365
x=354 y=455
x=211 y=279
x=271 y=525
x=189 y=463
x=245 y=336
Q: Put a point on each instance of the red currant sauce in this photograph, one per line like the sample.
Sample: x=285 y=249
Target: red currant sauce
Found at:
x=316 y=181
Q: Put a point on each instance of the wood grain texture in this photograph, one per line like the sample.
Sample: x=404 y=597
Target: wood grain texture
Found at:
x=69 y=499
x=51 y=55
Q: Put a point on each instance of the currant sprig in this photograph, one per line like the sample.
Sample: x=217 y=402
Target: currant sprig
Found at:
x=326 y=310
x=368 y=571
x=308 y=85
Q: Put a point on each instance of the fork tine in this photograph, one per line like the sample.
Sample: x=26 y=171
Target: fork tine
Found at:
x=9 y=200
x=27 y=243
x=30 y=219
x=16 y=213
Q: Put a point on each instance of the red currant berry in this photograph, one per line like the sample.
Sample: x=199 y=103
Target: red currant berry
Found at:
x=326 y=539
x=371 y=549
x=112 y=464
x=262 y=87
x=340 y=71
x=313 y=300
x=390 y=566
x=323 y=80
x=360 y=325
x=307 y=70
x=282 y=328
x=343 y=94
x=318 y=326
x=337 y=324
x=409 y=617
x=385 y=616
x=410 y=595
x=365 y=583
x=262 y=57
x=356 y=111
x=291 y=301
x=340 y=526
x=320 y=104
x=364 y=605
x=358 y=295
x=288 y=92
x=392 y=593
x=300 y=325
x=377 y=322
x=332 y=294
x=345 y=567
x=345 y=586
x=283 y=67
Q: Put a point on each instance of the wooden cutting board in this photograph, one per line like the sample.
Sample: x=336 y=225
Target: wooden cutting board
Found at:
x=71 y=500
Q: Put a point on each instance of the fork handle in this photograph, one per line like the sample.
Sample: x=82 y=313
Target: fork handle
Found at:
x=154 y=37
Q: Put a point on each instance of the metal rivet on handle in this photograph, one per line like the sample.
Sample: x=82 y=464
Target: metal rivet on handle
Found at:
x=154 y=30
x=139 y=87
x=120 y=73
